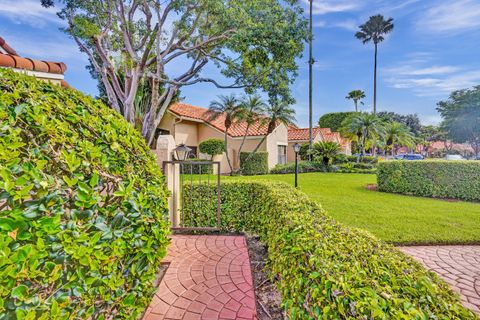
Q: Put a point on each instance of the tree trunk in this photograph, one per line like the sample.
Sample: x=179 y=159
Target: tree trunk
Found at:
x=257 y=147
x=375 y=82
x=356 y=105
x=226 y=151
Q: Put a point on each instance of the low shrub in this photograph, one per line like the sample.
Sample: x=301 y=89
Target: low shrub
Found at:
x=257 y=164
x=325 y=270
x=431 y=178
x=364 y=159
x=205 y=167
x=212 y=147
x=303 y=167
x=82 y=207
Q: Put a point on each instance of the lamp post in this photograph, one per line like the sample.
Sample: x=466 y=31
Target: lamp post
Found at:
x=296 y=149
x=181 y=152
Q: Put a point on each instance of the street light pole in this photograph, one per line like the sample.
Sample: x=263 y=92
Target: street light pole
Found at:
x=310 y=88
x=296 y=149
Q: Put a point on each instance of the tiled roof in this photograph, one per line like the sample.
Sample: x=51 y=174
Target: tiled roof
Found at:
x=295 y=134
x=12 y=60
x=198 y=113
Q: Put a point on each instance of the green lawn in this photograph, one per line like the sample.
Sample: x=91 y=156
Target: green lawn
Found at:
x=391 y=217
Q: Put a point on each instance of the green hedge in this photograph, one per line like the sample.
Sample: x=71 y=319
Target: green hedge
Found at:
x=325 y=270
x=303 y=167
x=257 y=164
x=431 y=178
x=83 y=207
x=206 y=167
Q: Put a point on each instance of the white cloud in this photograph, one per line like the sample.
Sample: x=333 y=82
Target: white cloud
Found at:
x=328 y=6
x=412 y=71
x=451 y=17
x=350 y=25
x=28 y=11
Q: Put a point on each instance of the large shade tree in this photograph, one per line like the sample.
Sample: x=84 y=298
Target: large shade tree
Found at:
x=374 y=30
x=254 y=43
x=461 y=117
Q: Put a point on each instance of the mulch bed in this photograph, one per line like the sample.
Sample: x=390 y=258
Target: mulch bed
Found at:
x=267 y=296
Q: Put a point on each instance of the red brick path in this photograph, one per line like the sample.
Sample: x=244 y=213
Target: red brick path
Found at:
x=209 y=277
x=457 y=265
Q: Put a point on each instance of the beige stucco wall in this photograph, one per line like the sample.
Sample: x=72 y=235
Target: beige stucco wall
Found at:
x=279 y=136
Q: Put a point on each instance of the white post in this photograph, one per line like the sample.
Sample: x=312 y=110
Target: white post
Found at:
x=164 y=152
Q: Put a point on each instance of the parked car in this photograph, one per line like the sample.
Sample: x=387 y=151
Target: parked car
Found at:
x=454 y=157
x=410 y=156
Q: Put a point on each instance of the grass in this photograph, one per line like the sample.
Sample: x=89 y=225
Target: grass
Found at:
x=394 y=218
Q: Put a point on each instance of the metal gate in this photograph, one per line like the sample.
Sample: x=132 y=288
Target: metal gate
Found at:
x=195 y=194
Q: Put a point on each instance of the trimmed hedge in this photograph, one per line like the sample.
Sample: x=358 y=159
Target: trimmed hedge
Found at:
x=303 y=167
x=325 y=270
x=212 y=147
x=258 y=163
x=204 y=168
x=83 y=207
x=431 y=178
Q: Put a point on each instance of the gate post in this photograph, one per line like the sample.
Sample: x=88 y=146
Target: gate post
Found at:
x=164 y=152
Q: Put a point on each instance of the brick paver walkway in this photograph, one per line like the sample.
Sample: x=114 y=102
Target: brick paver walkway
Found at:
x=209 y=277
x=457 y=265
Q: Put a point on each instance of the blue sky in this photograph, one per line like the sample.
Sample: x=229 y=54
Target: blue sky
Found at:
x=434 y=49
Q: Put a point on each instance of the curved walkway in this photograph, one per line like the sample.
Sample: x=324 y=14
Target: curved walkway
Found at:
x=457 y=265
x=208 y=277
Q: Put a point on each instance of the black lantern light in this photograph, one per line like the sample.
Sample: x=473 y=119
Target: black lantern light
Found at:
x=296 y=149
x=181 y=152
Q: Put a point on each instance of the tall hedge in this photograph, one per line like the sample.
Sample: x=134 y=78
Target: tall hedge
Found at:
x=325 y=270
x=431 y=178
x=83 y=207
x=257 y=164
x=333 y=120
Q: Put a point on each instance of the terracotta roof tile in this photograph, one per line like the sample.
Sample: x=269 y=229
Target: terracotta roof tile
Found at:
x=198 y=113
x=302 y=134
x=13 y=60
x=4 y=45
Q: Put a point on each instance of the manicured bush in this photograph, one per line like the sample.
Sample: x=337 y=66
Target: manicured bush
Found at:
x=325 y=270
x=257 y=164
x=303 y=166
x=83 y=207
x=212 y=147
x=364 y=159
x=431 y=178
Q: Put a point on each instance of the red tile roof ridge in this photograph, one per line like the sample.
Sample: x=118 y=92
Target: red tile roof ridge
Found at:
x=12 y=60
x=200 y=113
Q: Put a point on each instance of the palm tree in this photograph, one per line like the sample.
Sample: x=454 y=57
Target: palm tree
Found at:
x=397 y=133
x=356 y=96
x=327 y=151
x=363 y=127
x=229 y=107
x=253 y=109
x=374 y=30
x=278 y=113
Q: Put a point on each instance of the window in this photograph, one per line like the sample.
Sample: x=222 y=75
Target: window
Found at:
x=282 y=154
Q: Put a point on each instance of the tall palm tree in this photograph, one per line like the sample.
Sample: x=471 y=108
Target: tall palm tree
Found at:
x=229 y=107
x=356 y=96
x=362 y=126
x=397 y=133
x=278 y=113
x=374 y=30
x=253 y=109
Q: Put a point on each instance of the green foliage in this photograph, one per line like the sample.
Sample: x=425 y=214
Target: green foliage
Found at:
x=325 y=270
x=326 y=151
x=83 y=206
x=412 y=121
x=333 y=120
x=303 y=166
x=435 y=178
x=199 y=168
x=257 y=163
x=212 y=147
x=461 y=115
x=364 y=159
